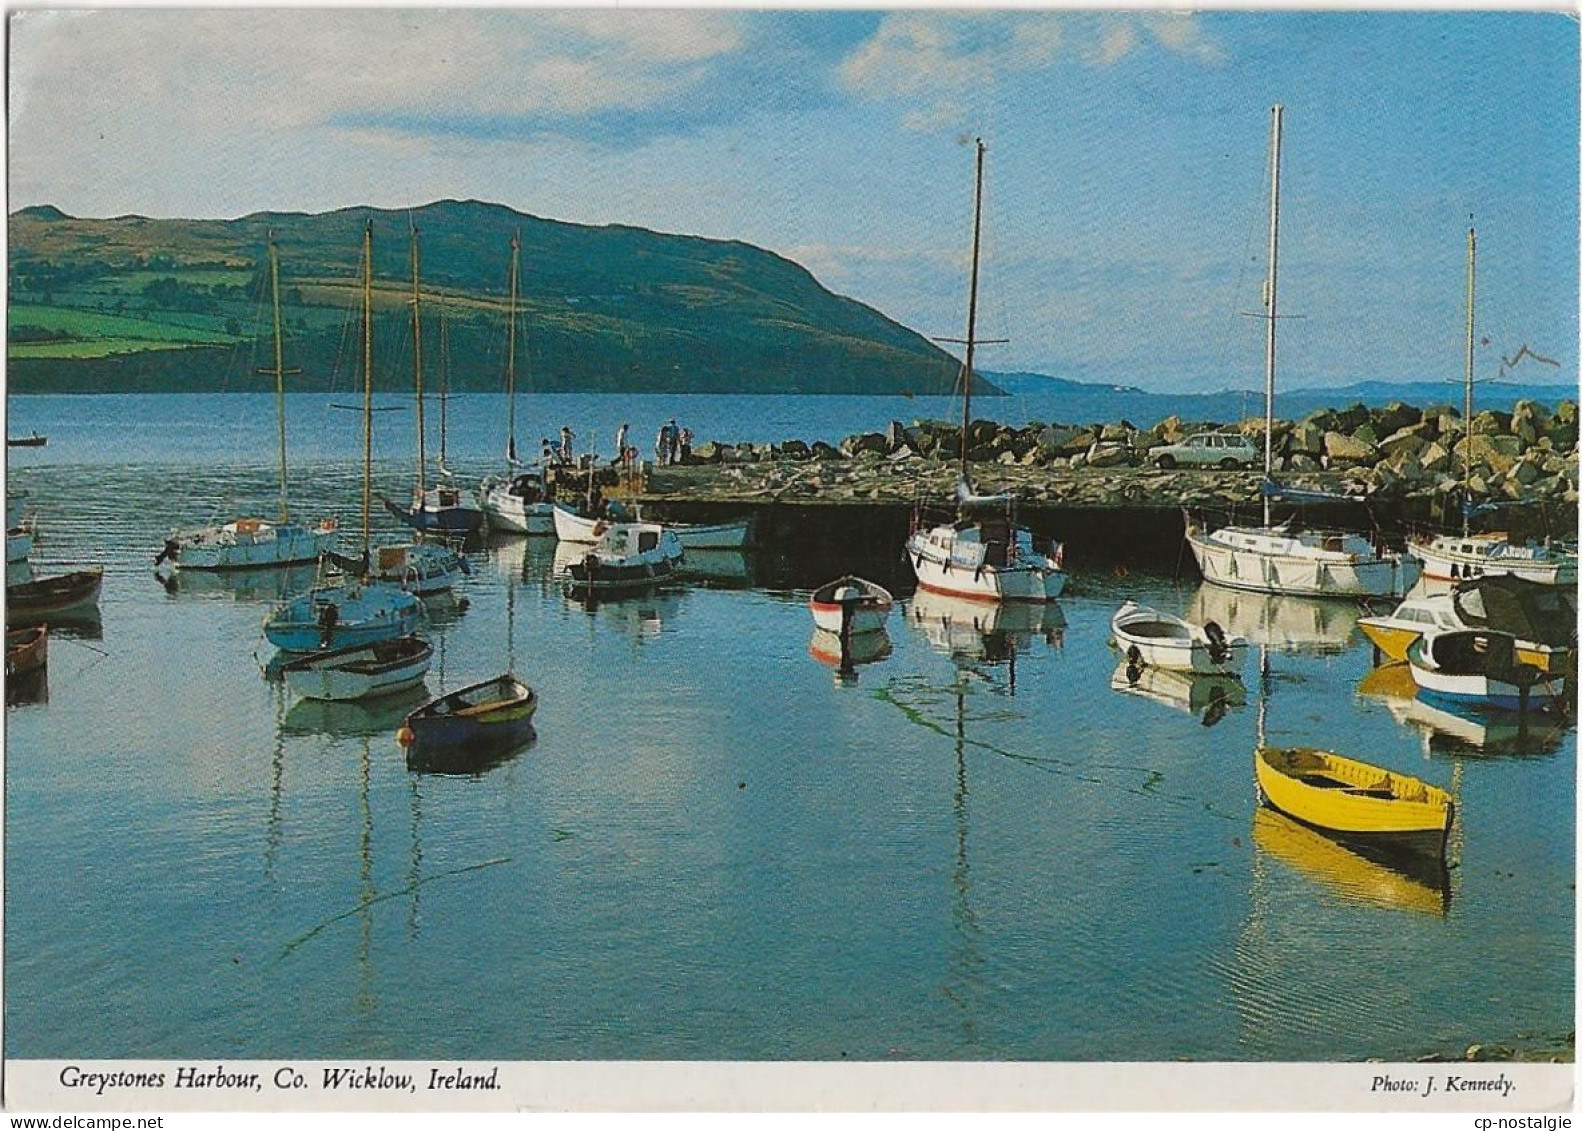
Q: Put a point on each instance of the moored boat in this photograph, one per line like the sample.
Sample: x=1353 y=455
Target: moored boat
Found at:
x=1459 y=557
x=46 y=597
x=583 y=529
x=629 y=555
x=1478 y=667
x=1542 y=618
x=867 y=603
x=1280 y=559
x=361 y=671
x=1149 y=637
x=33 y=441
x=982 y=555
x=1347 y=798
x=474 y=725
x=26 y=650
x=425 y=569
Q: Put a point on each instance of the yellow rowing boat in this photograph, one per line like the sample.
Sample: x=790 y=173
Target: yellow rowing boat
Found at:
x=1344 y=797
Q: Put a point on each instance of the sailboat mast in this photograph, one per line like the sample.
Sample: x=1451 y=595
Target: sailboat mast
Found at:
x=280 y=373
x=1466 y=414
x=368 y=381
x=444 y=377
x=1271 y=299
x=417 y=365
x=510 y=353
x=972 y=308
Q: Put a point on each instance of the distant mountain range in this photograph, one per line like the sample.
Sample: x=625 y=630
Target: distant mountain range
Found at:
x=138 y=304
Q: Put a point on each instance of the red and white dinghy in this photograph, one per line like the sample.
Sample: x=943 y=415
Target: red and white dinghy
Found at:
x=869 y=604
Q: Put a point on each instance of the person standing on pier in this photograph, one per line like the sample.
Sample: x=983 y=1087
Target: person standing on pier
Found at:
x=685 y=442
x=662 y=445
x=620 y=444
x=566 y=437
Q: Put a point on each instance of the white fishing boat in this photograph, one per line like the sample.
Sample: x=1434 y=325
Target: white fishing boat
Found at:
x=981 y=554
x=361 y=671
x=518 y=501
x=1150 y=638
x=1478 y=668
x=1451 y=557
x=360 y=609
x=583 y=530
x=628 y=556
x=865 y=602
x=1282 y=559
x=254 y=543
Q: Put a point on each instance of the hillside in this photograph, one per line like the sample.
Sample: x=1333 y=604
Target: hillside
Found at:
x=138 y=304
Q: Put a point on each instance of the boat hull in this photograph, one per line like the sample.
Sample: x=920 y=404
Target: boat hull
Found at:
x=1342 y=575
x=1444 y=563
x=362 y=671
x=372 y=613
x=1444 y=673
x=53 y=596
x=1039 y=579
x=1351 y=799
x=512 y=514
x=451 y=735
x=869 y=610
x=1161 y=641
x=26 y=651
x=219 y=549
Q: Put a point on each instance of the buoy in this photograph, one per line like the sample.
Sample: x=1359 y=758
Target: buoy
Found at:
x=404 y=736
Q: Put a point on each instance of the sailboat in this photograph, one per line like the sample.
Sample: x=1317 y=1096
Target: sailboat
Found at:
x=1455 y=558
x=439 y=508
x=981 y=555
x=251 y=543
x=1280 y=559
x=517 y=502
x=364 y=609
x=425 y=568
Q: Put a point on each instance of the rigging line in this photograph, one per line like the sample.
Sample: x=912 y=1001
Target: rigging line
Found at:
x=408 y=889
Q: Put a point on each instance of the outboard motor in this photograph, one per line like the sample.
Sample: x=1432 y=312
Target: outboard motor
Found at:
x=169 y=553
x=1218 y=646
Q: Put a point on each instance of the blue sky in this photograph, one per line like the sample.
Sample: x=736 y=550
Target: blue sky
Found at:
x=1126 y=198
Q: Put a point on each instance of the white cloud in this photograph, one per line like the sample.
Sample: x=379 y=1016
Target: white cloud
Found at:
x=937 y=58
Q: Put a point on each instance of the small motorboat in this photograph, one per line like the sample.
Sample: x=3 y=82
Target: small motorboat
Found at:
x=1542 y=618
x=573 y=527
x=477 y=724
x=26 y=650
x=33 y=441
x=867 y=604
x=361 y=671
x=1478 y=667
x=517 y=504
x=1153 y=639
x=47 y=597
x=1346 y=798
x=443 y=509
x=628 y=556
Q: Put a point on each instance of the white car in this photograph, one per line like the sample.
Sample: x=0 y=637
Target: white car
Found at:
x=1228 y=450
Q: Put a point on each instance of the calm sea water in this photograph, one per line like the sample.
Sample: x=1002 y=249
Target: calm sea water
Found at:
x=980 y=848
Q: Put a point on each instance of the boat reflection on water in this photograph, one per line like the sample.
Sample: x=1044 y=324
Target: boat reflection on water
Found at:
x=261 y=585
x=1285 y=624
x=28 y=689
x=353 y=718
x=977 y=630
x=1209 y=696
x=1462 y=729
x=864 y=648
x=524 y=559
x=1357 y=873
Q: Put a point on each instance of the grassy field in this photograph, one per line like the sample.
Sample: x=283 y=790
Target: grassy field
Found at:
x=89 y=334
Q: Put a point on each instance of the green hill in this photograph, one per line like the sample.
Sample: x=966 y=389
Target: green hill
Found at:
x=138 y=304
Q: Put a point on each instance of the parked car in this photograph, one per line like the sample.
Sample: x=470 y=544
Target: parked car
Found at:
x=1229 y=450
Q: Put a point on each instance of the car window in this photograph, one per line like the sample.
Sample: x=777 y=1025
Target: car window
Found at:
x=1195 y=442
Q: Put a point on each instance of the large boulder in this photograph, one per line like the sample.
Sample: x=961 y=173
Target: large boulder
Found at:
x=1491 y=422
x=1341 y=449
x=1103 y=454
x=865 y=442
x=1406 y=440
x=795 y=449
x=822 y=451
x=1395 y=416
x=1307 y=438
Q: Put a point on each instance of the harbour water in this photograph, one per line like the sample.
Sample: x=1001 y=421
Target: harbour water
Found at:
x=989 y=844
